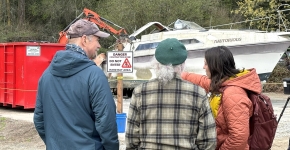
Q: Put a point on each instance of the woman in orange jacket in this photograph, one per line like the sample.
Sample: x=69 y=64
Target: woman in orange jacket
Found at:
x=231 y=107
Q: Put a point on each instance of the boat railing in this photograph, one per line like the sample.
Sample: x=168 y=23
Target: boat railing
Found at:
x=281 y=21
x=281 y=18
x=240 y=22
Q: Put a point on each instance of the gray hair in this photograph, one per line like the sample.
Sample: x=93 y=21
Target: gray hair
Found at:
x=165 y=73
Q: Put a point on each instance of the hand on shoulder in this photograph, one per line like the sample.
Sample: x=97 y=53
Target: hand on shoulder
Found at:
x=184 y=75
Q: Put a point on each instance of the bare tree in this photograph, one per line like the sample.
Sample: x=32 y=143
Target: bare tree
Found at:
x=21 y=12
x=8 y=13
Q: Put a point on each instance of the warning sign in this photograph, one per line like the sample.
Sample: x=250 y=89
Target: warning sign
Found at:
x=120 y=62
x=126 y=64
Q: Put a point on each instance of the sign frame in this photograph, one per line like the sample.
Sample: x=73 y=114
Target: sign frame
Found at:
x=120 y=62
x=33 y=50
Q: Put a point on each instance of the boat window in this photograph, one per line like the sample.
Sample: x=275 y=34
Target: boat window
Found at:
x=147 y=46
x=182 y=24
x=189 y=41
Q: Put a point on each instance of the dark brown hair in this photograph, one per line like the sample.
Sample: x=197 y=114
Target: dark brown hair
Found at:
x=221 y=65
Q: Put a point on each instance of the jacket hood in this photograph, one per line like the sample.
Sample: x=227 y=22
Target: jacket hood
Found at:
x=67 y=63
x=249 y=81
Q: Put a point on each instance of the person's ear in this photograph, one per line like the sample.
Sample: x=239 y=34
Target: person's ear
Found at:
x=84 y=38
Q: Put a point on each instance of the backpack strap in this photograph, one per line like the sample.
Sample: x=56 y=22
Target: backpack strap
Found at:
x=222 y=89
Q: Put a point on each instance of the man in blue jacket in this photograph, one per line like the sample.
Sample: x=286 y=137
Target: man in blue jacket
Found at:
x=75 y=109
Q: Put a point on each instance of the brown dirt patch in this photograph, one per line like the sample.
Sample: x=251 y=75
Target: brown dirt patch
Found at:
x=15 y=135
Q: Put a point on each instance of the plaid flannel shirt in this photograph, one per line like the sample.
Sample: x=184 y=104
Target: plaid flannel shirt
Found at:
x=174 y=116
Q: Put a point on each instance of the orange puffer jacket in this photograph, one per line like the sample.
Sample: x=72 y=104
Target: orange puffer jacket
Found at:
x=235 y=110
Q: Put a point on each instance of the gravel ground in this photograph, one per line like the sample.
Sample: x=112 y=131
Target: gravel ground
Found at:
x=17 y=131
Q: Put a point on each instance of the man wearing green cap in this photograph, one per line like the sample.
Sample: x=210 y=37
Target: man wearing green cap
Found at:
x=168 y=112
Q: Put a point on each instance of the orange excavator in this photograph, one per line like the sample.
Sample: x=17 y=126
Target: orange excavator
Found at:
x=98 y=20
x=102 y=24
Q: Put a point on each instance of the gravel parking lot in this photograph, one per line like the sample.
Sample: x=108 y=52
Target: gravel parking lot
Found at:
x=17 y=131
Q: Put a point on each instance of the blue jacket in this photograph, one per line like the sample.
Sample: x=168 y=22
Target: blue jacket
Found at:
x=75 y=109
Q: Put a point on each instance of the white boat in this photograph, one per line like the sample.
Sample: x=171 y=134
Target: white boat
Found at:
x=251 y=48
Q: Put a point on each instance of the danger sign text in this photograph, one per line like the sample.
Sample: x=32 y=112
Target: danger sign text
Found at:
x=120 y=62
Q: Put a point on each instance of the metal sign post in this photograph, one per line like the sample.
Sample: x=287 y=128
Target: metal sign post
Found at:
x=284 y=109
x=281 y=116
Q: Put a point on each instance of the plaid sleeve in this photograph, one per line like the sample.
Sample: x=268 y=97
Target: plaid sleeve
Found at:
x=133 y=123
x=206 y=136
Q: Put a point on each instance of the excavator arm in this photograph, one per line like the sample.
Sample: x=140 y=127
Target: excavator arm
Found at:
x=98 y=20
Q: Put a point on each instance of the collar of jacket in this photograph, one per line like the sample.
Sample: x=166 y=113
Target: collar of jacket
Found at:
x=75 y=48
